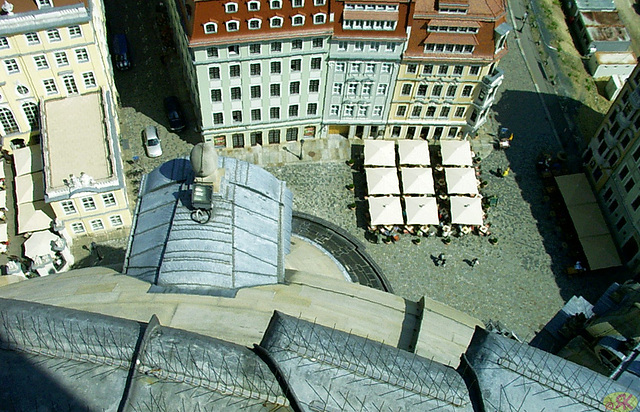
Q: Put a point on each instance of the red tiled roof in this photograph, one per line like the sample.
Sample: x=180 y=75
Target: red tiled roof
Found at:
x=451 y=38
x=370 y=15
x=24 y=6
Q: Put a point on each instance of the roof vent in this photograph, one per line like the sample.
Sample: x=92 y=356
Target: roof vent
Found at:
x=7 y=8
x=204 y=162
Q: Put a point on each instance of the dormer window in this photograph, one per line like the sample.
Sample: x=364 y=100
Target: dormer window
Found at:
x=210 y=28
x=297 y=3
x=319 y=18
x=297 y=20
x=44 y=3
x=231 y=7
x=319 y=2
x=255 y=24
x=275 y=4
x=276 y=21
x=253 y=5
x=233 y=25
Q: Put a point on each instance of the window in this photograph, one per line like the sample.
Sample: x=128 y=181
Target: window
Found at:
x=366 y=89
x=276 y=22
x=218 y=118
x=274 y=90
x=355 y=68
x=210 y=28
x=466 y=90
x=298 y=20
x=276 y=47
x=233 y=50
x=256 y=138
x=274 y=113
x=422 y=90
x=4 y=43
x=22 y=90
x=236 y=93
x=457 y=70
x=362 y=111
x=236 y=116
x=390 y=47
x=385 y=68
x=77 y=227
x=214 y=73
x=89 y=80
x=437 y=90
x=44 y=3
x=70 y=83
x=254 y=69
x=88 y=203
x=256 y=115
x=444 y=111
x=334 y=110
x=115 y=220
x=401 y=111
x=348 y=110
x=340 y=67
x=451 y=91
x=453 y=131
x=297 y=3
x=256 y=93
x=377 y=111
x=427 y=69
x=406 y=89
x=312 y=109
x=358 y=46
x=412 y=68
x=253 y=5
x=314 y=86
x=53 y=35
x=352 y=88
x=234 y=70
x=316 y=62
x=375 y=46
x=275 y=4
x=50 y=86
x=294 y=88
x=12 y=66
x=68 y=207
x=459 y=111
x=296 y=65
x=74 y=31
x=474 y=70
x=232 y=25
x=216 y=95
x=443 y=70
x=431 y=111
x=231 y=7
x=109 y=200
x=274 y=136
x=32 y=38
x=276 y=67
x=7 y=121
x=293 y=110
x=342 y=46
x=382 y=89
x=370 y=68
x=416 y=111
x=212 y=52
x=319 y=18
x=82 y=55
x=292 y=134
x=30 y=110
x=61 y=59
x=237 y=139
x=337 y=88
x=319 y=2
x=395 y=132
x=41 y=62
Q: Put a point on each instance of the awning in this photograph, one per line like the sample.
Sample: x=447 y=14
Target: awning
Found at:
x=29 y=187
x=466 y=210
x=417 y=181
x=382 y=181
x=3 y=232
x=593 y=233
x=34 y=216
x=379 y=153
x=40 y=244
x=385 y=210
x=413 y=152
x=456 y=153
x=421 y=210
x=27 y=160
x=3 y=199
x=461 y=180
x=2 y=175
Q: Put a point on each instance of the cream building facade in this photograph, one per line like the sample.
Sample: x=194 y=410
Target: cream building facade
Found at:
x=48 y=49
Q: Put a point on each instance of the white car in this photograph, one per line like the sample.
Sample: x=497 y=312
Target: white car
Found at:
x=152 y=141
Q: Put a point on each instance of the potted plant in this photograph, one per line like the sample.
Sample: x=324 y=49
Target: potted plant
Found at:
x=351 y=162
x=416 y=240
x=493 y=240
x=386 y=239
x=350 y=186
x=351 y=206
x=446 y=240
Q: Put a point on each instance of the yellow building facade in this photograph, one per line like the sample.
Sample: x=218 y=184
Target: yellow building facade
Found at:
x=47 y=52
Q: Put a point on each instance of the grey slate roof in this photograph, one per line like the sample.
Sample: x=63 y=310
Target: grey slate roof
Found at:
x=513 y=376
x=243 y=244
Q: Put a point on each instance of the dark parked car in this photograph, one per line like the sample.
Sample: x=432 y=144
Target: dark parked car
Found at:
x=174 y=113
x=121 y=54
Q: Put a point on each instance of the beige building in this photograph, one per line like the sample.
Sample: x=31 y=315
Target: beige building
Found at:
x=612 y=160
x=48 y=49
x=87 y=194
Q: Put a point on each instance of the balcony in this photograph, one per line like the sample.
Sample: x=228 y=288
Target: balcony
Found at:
x=494 y=79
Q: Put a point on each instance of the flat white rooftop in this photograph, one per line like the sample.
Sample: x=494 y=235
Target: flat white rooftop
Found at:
x=76 y=139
